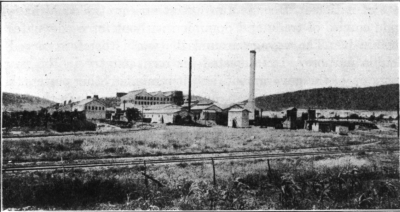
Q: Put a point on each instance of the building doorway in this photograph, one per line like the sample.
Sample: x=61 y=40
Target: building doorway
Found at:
x=234 y=123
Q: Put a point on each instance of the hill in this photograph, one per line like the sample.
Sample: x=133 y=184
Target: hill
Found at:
x=384 y=97
x=199 y=98
x=19 y=102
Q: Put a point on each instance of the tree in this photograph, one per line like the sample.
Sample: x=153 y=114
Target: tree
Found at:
x=132 y=114
x=371 y=118
x=354 y=116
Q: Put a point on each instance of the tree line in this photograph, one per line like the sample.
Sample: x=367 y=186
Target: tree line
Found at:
x=61 y=121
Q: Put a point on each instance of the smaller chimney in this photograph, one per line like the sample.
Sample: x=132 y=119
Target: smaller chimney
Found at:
x=95 y=96
x=69 y=102
x=65 y=102
x=88 y=97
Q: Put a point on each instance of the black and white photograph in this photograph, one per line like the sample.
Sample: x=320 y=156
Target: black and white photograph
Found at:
x=199 y=106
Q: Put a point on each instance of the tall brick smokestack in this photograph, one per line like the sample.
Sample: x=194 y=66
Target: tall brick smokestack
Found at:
x=251 y=101
x=190 y=84
x=252 y=76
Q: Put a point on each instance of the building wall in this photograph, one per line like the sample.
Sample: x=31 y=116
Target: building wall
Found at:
x=245 y=119
x=242 y=119
x=315 y=127
x=95 y=110
x=162 y=118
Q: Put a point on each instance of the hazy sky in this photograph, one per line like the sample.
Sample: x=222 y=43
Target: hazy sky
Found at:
x=64 y=51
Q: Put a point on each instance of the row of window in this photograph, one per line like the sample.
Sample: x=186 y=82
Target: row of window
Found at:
x=150 y=116
x=94 y=108
x=152 y=98
x=147 y=103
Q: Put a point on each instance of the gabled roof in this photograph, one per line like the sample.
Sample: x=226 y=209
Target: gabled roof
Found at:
x=157 y=94
x=85 y=101
x=227 y=107
x=166 y=111
x=204 y=107
x=162 y=106
x=238 y=110
x=192 y=104
x=169 y=93
x=137 y=91
x=133 y=94
x=290 y=108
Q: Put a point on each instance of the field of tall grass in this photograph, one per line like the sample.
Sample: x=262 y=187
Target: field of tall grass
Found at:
x=350 y=182
x=174 y=139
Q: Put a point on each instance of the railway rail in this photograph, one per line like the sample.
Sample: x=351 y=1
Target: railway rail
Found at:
x=199 y=153
x=185 y=160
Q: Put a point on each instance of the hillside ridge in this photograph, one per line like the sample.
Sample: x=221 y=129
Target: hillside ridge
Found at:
x=20 y=102
x=383 y=97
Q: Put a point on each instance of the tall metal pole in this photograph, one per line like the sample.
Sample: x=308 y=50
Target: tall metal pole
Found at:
x=190 y=83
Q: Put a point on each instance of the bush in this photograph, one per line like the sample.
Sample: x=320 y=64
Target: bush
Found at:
x=77 y=125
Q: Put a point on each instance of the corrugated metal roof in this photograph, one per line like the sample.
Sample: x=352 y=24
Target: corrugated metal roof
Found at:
x=132 y=94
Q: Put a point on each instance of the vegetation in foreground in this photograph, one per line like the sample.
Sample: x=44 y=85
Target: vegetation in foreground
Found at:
x=174 y=139
x=312 y=183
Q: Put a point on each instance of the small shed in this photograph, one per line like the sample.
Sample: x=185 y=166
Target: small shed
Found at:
x=238 y=117
x=291 y=117
x=342 y=130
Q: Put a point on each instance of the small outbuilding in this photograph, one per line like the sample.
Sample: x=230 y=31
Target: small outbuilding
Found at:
x=342 y=130
x=238 y=117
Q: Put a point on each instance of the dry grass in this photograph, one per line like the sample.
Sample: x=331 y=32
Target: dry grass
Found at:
x=175 y=139
x=124 y=188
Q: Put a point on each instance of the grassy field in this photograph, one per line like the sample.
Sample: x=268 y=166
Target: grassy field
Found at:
x=349 y=182
x=363 y=181
x=176 y=139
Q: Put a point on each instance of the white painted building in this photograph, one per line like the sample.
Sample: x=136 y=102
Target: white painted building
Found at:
x=238 y=117
x=165 y=116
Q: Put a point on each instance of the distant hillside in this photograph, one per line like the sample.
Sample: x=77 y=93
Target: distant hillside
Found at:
x=199 y=98
x=19 y=102
x=384 y=97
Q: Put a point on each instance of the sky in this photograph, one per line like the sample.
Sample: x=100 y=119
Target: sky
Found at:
x=63 y=51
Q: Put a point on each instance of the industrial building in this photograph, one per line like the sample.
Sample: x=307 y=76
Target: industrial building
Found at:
x=93 y=108
x=142 y=97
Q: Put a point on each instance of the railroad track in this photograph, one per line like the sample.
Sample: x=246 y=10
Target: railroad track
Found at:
x=184 y=160
x=201 y=153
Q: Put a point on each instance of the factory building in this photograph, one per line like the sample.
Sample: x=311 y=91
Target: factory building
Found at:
x=93 y=108
x=206 y=111
x=142 y=97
